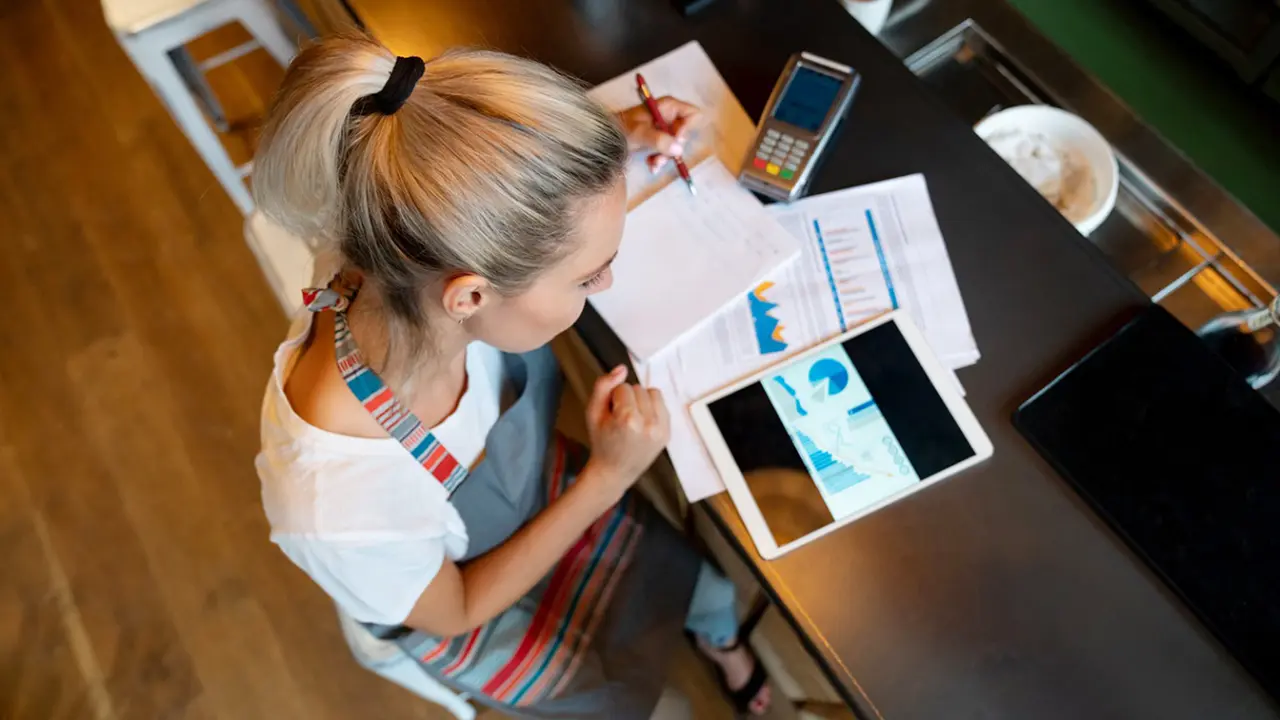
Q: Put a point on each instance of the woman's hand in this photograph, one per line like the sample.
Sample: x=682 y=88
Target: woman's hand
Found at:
x=637 y=123
x=628 y=425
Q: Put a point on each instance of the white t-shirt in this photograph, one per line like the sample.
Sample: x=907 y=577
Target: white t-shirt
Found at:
x=360 y=515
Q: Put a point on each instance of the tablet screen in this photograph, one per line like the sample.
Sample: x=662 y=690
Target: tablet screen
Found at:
x=833 y=433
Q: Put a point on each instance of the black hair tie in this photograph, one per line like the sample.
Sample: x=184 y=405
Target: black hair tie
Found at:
x=404 y=77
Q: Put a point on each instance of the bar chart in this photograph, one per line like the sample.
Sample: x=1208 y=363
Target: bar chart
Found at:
x=857 y=267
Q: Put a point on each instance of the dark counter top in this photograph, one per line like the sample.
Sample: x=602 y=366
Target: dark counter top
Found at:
x=997 y=593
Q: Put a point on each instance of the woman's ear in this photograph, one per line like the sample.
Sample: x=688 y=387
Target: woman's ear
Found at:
x=465 y=295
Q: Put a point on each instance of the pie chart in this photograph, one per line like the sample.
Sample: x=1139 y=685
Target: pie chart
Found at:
x=827 y=377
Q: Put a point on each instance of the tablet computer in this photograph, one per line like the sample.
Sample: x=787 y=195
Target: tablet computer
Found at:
x=837 y=432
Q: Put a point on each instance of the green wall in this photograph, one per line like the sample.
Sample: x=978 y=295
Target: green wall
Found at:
x=1199 y=105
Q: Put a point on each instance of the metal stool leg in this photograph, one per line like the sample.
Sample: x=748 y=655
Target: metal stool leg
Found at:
x=193 y=76
x=171 y=87
x=301 y=23
x=259 y=19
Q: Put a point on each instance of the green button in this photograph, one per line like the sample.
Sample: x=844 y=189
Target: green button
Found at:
x=787 y=174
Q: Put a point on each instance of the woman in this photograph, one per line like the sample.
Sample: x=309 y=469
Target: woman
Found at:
x=474 y=202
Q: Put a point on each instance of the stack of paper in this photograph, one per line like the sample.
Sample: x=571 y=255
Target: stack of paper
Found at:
x=878 y=247
x=863 y=251
x=683 y=258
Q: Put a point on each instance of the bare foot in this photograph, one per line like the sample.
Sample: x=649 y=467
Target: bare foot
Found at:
x=737 y=664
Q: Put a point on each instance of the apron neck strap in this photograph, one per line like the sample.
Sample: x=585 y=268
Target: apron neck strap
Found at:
x=376 y=397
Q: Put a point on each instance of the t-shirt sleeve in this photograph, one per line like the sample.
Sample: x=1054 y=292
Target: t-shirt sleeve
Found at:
x=376 y=582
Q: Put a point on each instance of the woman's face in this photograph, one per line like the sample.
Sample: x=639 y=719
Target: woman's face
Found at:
x=527 y=321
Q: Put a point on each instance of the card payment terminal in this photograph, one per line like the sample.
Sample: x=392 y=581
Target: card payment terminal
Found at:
x=809 y=101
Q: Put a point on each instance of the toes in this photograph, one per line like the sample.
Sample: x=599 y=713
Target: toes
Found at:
x=761 y=702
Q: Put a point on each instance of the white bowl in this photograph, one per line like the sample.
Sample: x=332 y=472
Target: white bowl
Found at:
x=1079 y=141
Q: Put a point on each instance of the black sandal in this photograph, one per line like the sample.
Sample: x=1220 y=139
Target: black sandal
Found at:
x=742 y=697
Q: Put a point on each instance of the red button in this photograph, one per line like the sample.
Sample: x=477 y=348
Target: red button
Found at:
x=761 y=164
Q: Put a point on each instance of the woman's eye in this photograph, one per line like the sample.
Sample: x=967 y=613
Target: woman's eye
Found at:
x=594 y=280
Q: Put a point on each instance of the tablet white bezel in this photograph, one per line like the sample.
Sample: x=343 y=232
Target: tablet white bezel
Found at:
x=942 y=381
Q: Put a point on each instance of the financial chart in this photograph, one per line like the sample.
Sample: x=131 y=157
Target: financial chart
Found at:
x=839 y=431
x=842 y=278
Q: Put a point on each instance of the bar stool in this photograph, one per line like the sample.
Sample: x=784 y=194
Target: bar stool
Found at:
x=154 y=32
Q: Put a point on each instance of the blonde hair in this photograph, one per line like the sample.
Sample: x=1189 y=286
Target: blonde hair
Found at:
x=477 y=172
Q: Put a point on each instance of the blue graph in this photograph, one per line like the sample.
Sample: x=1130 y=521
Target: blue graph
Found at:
x=834 y=475
x=868 y=405
x=792 y=392
x=767 y=328
x=830 y=373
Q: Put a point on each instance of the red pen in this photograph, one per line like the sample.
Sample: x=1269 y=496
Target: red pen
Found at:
x=660 y=123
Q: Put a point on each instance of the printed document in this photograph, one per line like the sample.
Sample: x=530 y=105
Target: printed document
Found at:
x=685 y=257
x=863 y=251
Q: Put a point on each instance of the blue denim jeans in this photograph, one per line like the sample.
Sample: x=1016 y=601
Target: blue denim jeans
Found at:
x=713 y=613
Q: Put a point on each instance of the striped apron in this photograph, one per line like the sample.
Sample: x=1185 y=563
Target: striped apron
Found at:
x=591 y=639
